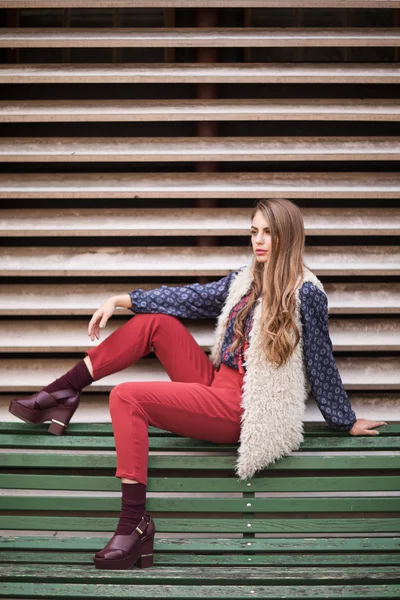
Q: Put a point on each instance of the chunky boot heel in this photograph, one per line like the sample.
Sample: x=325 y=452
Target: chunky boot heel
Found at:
x=124 y=551
x=57 y=428
x=146 y=560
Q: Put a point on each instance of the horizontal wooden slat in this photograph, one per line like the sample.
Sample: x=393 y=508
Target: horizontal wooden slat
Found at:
x=317 y=435
x=51 y=459
x=201 y=185
x=211 y=560
x=321 y=545
x=266 y=484
x=117 y=37
x=200 y=3
x=187 y=592
x=203 y=575
x=301 y=109
x=170 y=443
x=44 y=299
x=70 y=503
x=195 y=73
x=172 y=261
x=31 y=374
x=76 y=222
x=376 y=335
x=106 y=149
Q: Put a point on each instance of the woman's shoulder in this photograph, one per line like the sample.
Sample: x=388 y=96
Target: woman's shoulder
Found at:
x=312 y=297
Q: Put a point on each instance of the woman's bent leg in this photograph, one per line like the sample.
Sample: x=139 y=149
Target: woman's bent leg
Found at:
x=188 y=409
x=182 y=357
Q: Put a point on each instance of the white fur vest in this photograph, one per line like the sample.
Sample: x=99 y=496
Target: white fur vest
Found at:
x=273 y=399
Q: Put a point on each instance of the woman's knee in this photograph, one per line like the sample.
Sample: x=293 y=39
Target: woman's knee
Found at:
x=121 y=393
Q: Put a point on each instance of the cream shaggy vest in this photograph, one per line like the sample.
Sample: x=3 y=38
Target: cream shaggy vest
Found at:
x=273 y=400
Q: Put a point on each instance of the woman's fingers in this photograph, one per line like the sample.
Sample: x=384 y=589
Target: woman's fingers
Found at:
x=366 y=427
x=93 y=328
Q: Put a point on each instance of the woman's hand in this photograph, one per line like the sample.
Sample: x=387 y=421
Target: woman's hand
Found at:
x=365 y=427
x=101 y=317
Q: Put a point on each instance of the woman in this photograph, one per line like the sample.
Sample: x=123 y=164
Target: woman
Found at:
x=272 y=346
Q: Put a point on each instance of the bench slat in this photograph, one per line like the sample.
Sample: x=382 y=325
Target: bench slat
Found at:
x=355 y=483
x=183 y=592
x=70 y=442
x=211 y=560
x=196 y=525
x=252 y=574
x=101 y=430
x=106 y=460
x=321 y=545
x=66 y=504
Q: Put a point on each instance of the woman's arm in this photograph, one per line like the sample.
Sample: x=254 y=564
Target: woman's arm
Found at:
x=193 y=301
x=323 y=375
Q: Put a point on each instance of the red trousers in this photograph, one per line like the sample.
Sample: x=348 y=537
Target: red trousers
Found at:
x=200 y=401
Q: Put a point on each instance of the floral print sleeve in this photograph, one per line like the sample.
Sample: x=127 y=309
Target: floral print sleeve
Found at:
x=193 y=301
x=324 y=377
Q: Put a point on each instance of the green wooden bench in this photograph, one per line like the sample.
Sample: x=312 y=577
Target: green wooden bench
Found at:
x=300 y=557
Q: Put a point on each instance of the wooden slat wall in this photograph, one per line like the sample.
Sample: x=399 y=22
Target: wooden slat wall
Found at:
x=137 y=137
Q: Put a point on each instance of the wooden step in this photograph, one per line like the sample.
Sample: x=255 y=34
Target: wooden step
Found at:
x=45 y=299
x=178 y=261
x=200 y=3
x=201 y=185
x=53 y=222
x=166 y=37
x=50 y=336
x=299 y=109
x=155 y=149
x=94 y=408
x=25 y=374
x=284 y=72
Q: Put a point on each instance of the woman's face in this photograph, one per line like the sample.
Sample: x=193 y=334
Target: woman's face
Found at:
x=260 y=237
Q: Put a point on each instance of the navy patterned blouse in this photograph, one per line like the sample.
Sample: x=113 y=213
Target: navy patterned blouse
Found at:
x=205 y=301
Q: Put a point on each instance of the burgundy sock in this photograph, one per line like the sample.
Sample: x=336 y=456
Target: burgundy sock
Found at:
x=77 y=378
x=133 y=507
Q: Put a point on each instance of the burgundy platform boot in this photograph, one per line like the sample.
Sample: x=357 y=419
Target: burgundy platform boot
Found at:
x=43 y=406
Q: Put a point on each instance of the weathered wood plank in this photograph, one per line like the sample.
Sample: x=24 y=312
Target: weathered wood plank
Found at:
x=169 y=574
x=212 y=560
x=50 y=336
x=76 y=222
x=167 y=37
x=200 y=3
x=200 y=185
x=117 y=149
x=263 y=109
x=152 y=261
x=335 y=73
x=296 y=525
x=106 y=460
x=42 y=299
x=20 y=375
x=183 y=592
x=180 y=506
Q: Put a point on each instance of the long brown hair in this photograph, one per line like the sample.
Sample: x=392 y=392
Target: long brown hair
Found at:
x=276 y=281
